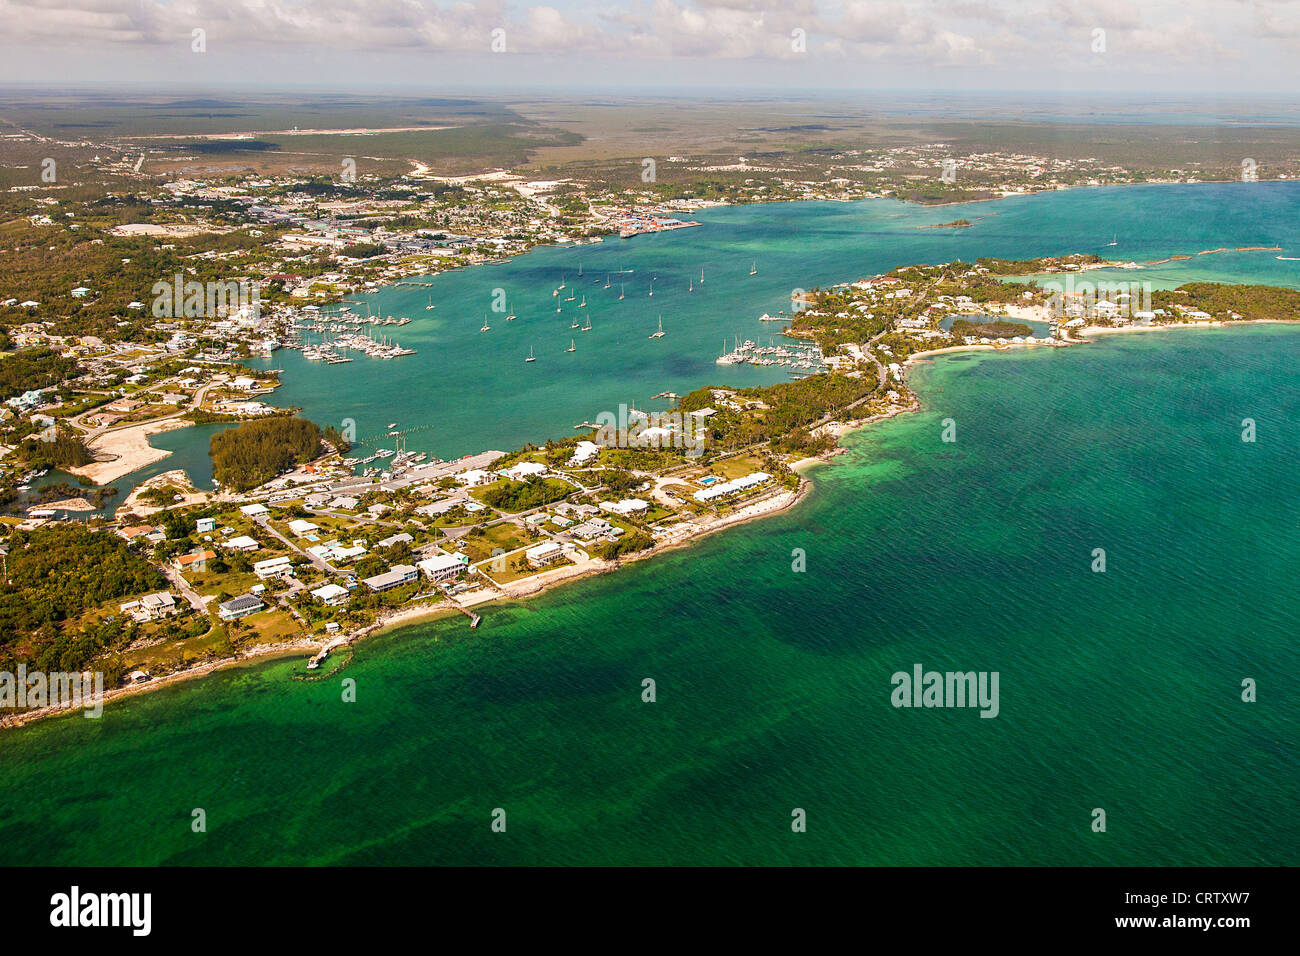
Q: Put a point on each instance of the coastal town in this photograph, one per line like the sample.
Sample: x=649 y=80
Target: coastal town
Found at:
x=165 y=293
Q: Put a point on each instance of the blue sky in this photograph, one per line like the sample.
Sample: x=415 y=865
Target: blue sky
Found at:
x=1239 y=46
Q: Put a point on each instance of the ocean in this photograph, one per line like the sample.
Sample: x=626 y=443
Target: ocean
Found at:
x=1119 y=690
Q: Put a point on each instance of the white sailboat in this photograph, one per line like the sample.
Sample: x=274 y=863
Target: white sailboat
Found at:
x=430 y=306
x=531 y=357
x=510 y=317
x=753 y=270
x=587 y=327
x=620 y=293
x=652 y=286
x=1114 y=241
x=572 y=346
x=486 y=327
x=574 y=325
x=660 y=334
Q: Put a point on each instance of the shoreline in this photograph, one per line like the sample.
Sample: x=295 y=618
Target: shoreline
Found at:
x=775 y=503
x=129 y=448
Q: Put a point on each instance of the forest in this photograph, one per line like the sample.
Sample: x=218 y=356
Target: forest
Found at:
x=250 y=454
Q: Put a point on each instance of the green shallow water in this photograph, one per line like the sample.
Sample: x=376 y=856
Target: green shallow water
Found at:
x=1118 y=690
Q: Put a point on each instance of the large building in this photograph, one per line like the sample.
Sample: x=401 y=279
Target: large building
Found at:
x=443 y=567
x=545 y=554
x=395 y=577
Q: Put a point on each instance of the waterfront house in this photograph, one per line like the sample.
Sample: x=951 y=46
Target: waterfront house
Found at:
x=238 y=607
x=442 y=567
x=545 y=554
x=331 y=594
x=150 y=607
x=395 y=577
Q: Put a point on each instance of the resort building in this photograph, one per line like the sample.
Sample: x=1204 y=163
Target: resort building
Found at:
x=239 y=607
x=726 y=488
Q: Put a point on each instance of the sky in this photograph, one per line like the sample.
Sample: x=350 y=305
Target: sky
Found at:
x=1242 y=47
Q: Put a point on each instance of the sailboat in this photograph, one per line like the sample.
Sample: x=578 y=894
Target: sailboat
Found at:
x=486 y=327
x=753 y=270
x=575 y=323
x=530 y=358
x=572 y=347
x=660 y=334
x=430 y=306
x=1114 y=241
x=652 y=286
x=691 y=286
x=606 y=280
x=620 y=293
x=701 y=276
x=587 y=327
x=583 y=303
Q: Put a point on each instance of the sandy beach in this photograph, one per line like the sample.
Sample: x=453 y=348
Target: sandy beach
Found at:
x=120 y=452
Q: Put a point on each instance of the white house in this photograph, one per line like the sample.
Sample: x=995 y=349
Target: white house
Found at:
x=542 y=555
x=241 y=543
x=441 y=567
x=331 y=594
x=273 y=567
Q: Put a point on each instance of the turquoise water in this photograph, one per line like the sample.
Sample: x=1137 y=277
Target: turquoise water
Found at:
x=466 y=390
x=1118 y=690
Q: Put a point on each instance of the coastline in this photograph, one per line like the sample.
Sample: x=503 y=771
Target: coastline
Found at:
x=772 y=504
x=129 y=449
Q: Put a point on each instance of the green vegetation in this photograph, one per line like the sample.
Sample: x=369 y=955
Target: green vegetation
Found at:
x=247 y=455
x=56 y=573
x=32 y=369
x=992 y=330
x=515 y=496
